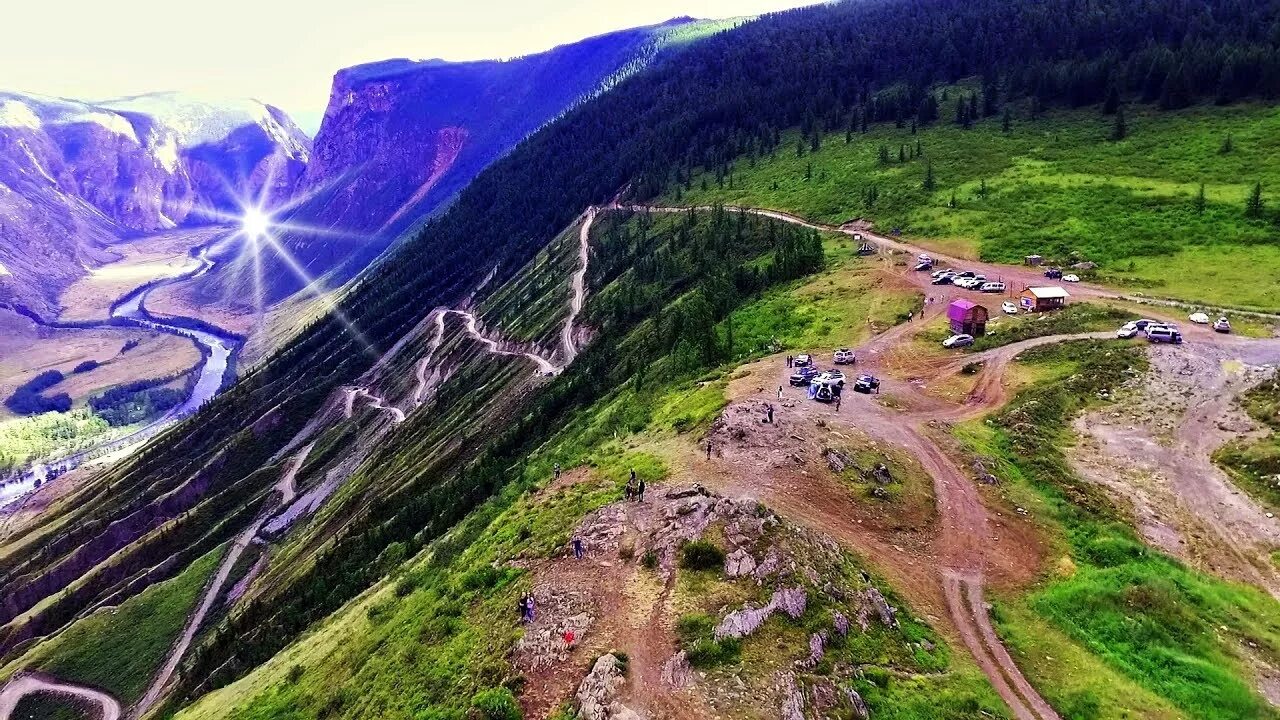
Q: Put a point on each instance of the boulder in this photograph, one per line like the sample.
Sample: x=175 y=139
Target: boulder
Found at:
x=598 y=690
x=739 y=563
x=792 y=700
x=678 y=493
x=676 y=673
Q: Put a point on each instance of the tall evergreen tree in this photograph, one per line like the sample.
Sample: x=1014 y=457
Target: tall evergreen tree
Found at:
x=1112 y=103
x=1227 y=145
x=928 y=183
x=1119 y=129
x=1006 y=122
x=884 y=154
x=1253 y=207
x=1200 y=200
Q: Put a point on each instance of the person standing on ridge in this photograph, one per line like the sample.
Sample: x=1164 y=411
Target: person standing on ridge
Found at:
x=640 y=491
x=577 y=548
x=779 y=392
x=557 y=471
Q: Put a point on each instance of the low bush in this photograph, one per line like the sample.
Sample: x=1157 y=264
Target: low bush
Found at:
x=701 y=555
x=86 y=366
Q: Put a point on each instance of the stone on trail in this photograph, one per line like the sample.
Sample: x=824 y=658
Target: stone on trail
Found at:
x=687 y=491
x=792 y=700
x=676 y=673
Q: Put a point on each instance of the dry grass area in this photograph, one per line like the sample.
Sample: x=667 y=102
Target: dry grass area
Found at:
x=27 y=350
x=142 y=260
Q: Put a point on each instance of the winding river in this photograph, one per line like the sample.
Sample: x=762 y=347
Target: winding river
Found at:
x=216 y=348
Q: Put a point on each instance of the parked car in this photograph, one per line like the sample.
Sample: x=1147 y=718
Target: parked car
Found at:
x=992 y=287
x=924 y=265
x=958 y=341
x=1053 y=273
x=1009 y=307
x=1199 y=318
x=825 y=392
x=803 y=376
x=844 y=356
x=943 y=279
x=1163 y=334
x=1143 y=323
x=1222 y=325
x=866 y=384
x=1070 y=278
x=966 y=274
x=1128 y=330
x=832 y=377
x=968 y=283
x=802 y=361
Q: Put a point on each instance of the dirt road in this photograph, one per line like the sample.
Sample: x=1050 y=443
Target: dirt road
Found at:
x=579 y=287
x=19 y=686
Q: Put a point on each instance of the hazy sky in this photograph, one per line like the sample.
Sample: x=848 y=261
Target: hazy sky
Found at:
x=285 y=51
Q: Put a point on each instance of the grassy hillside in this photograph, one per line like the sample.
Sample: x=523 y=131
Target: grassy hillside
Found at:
x=119 y=649
x=1055 y=186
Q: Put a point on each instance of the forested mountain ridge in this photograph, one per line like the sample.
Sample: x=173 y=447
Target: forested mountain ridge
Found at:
x=719 y=101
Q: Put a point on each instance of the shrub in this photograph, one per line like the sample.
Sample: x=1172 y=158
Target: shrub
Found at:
x=496 y=704
x=86 y=366
x=295 y=674
x=701 y=555
x=649 y=559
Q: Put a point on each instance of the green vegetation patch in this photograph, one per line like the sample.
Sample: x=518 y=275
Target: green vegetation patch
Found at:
x=1254 y=463
x=1175 y=632
x=118 y=650
x=1054 y=186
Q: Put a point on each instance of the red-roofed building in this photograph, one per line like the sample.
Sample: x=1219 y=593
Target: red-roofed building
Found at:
x=967 y=317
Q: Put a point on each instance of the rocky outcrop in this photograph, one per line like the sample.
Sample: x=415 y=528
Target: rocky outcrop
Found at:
x=873 y=601
x=597 y=693
x=744 y=622
x=739 y=563
x=400 y=138
x=792 y=699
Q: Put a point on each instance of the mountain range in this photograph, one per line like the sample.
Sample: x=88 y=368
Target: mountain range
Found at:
x=76 y=177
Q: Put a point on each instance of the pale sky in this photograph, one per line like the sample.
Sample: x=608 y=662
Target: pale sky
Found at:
x=285 y=52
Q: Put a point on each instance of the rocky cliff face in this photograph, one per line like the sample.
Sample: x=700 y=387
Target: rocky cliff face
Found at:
x=400 y=137
x=75 y=176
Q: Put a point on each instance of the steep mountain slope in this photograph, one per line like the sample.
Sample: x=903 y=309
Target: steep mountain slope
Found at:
x=675 y=303
x=75 y=176
x=402 y=137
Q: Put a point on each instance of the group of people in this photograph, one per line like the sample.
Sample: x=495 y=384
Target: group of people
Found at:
x=635 y=487
x=527 y=607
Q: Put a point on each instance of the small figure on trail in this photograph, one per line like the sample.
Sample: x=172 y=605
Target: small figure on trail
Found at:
x=630 y=490
x=779 y=392
x=633 y=476
x=532 y=608
x=837 y=403
x=523 y=607
x=768 y=410
x=640 y=491
x=788 y=361
x=911 y=314
x=577 y=548
x=557 y=471
x=708 y=448
x=569 y=637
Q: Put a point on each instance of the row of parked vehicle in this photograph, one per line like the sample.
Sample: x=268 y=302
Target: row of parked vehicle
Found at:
x=1155 y=331
x=967 y=280
x=826 y=385
x=1054 y=273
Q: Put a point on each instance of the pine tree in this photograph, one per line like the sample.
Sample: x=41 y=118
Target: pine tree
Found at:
x=919 y=152
x=902 y=153
x=884 y=154
x=990 y=98
x=815 y=142
x=1200 y=201
x=1119 y=130
x=973 y=108
x=913 y=126
x=982 y=189
x=928 y=183
x=1253 y=206
x=808 y=172
x=1227 y=145
x=952 y=202
x=1006 y=122
x=1112 y=103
